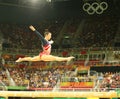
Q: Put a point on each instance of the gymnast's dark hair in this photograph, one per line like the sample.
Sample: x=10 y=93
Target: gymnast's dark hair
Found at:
x=46 y=32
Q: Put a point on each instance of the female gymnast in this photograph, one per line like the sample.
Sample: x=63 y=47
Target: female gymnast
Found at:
x=45 y=54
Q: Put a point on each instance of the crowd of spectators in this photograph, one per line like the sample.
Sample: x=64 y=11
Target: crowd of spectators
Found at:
x=21 y=37
x=96 y=32
x=110 y=81
x=32 y=77
x=3 y=78
x=48 y=76
x=99 y=32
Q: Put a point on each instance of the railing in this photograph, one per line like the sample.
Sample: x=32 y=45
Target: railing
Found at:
x=101 y=53
x=69 y=89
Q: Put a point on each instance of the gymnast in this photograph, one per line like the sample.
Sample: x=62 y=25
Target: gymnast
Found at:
x=46 y=45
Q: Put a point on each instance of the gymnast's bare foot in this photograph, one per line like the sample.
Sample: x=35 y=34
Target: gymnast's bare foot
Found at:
x=69 y=59
x=18 y=60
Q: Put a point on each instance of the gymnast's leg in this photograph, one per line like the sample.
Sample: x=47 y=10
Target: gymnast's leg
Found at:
x=55 y=58
x=35 y=58
x=45 y=58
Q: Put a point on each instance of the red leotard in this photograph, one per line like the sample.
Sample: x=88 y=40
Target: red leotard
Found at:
x=46 y=50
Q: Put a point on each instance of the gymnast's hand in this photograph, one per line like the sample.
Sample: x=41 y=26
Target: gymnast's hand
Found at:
x=32 y=28
x=51 y=41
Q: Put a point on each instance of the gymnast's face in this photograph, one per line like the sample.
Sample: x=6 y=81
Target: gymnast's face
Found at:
x=48 y=36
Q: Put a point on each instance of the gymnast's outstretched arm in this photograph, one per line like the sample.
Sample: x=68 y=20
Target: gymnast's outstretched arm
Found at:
x=43 y=40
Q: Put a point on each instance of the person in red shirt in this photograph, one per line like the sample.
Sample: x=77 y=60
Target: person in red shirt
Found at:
x=45 y=54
